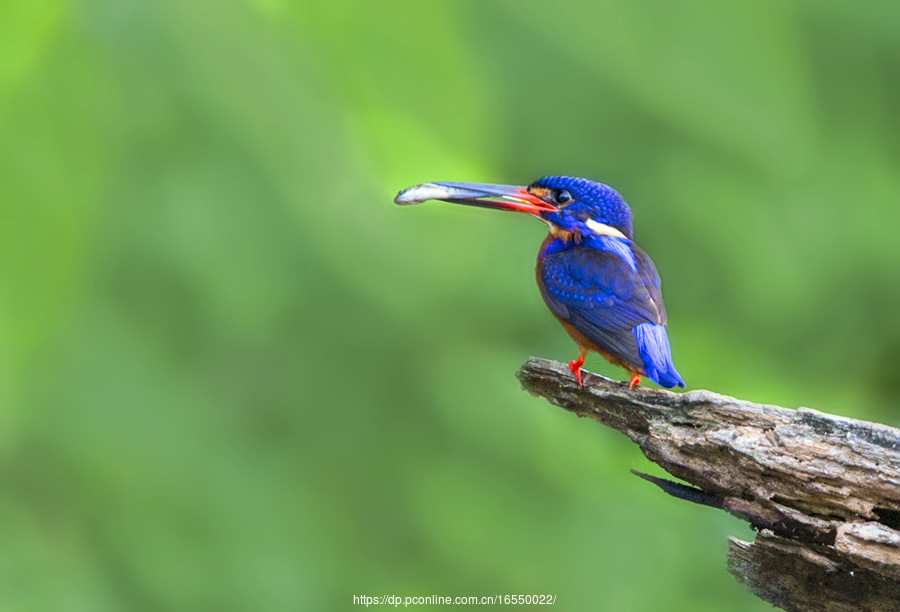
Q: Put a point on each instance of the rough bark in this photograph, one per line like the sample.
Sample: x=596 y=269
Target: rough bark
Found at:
x=823 y=490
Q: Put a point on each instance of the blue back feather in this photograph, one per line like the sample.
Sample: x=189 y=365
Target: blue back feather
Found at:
x=616 y=307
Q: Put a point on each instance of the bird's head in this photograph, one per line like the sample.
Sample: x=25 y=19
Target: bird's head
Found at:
x=569 y=206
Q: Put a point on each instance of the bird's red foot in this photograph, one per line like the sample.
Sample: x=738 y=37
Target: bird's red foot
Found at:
x=575 y=366
x=635 y=380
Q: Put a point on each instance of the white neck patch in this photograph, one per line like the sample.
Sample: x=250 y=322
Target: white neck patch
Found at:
x=601 y=229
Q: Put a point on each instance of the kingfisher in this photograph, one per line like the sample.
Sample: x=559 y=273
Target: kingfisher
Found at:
x=599 y=284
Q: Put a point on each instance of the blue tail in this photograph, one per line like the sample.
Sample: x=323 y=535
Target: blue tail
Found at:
x=653 y=345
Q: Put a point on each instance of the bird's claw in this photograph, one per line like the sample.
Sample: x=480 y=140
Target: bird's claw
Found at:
x=575 y=366
x=635 y=380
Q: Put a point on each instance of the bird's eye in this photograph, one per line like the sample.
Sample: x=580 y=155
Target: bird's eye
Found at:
x=562 y=196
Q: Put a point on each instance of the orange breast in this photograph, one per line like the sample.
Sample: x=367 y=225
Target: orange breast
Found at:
x=584 y=342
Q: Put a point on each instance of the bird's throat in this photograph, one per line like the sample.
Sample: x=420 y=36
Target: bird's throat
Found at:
x=565 y=236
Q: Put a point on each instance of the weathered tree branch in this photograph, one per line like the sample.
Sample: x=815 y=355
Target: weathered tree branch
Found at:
x=823 y=490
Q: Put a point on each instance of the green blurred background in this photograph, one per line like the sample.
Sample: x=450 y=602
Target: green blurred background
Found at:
x=234 y=376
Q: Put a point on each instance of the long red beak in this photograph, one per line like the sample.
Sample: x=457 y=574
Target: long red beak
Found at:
x=474 y=194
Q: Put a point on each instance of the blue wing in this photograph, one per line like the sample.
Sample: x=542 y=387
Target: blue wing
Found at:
x=615 y=304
